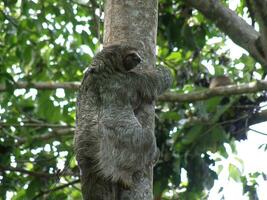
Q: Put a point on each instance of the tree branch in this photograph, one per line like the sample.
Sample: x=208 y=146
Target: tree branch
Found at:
x=24 y=171
x=62 y=132
x=58 y=130
x=51 y=135
x=41 y=125
x=259 y=132
x=232 y=25
x=254 y=119
x=10 y=19
x=251 y=87
x=258 y=118
x=56 y=188
x=261 y=14
x=43 y=86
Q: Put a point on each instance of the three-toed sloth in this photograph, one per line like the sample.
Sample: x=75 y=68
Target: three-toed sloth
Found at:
x=110 y=142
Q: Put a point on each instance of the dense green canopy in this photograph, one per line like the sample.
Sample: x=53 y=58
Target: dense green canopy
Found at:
x=54 y=41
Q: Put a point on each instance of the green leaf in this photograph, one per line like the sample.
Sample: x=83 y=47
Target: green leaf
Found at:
x=192 y=134
x=33 y=188
x=46 y=109
x=234 y=173
x=170 y=115
x=174 y=57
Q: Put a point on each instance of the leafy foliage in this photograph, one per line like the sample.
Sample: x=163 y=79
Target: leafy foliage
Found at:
x=56 y=40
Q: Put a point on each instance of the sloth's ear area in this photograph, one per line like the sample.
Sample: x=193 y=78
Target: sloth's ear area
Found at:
x=87 y=73
x=91 y=70
x=131 y=60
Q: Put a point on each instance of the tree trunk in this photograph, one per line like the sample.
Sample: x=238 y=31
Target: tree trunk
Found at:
x=135 y=22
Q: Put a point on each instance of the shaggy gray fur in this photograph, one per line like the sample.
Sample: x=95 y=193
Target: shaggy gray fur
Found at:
x=110 y=143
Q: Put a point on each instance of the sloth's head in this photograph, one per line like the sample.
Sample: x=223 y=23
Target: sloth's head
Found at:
x=131 y=59
x=120 y=58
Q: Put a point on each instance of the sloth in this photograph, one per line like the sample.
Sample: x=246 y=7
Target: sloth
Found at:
x=110 y=143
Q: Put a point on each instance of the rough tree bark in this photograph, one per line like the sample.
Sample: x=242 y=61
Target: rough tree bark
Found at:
x=135 y=22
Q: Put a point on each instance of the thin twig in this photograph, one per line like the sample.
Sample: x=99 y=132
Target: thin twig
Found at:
x=24 y=171
x=56 y=188
x=51 y=135
x=258 y=131
x=10 y=19
x=44 y=125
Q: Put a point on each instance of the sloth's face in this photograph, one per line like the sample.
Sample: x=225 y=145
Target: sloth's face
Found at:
x=120 y=58
x=131 y=60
